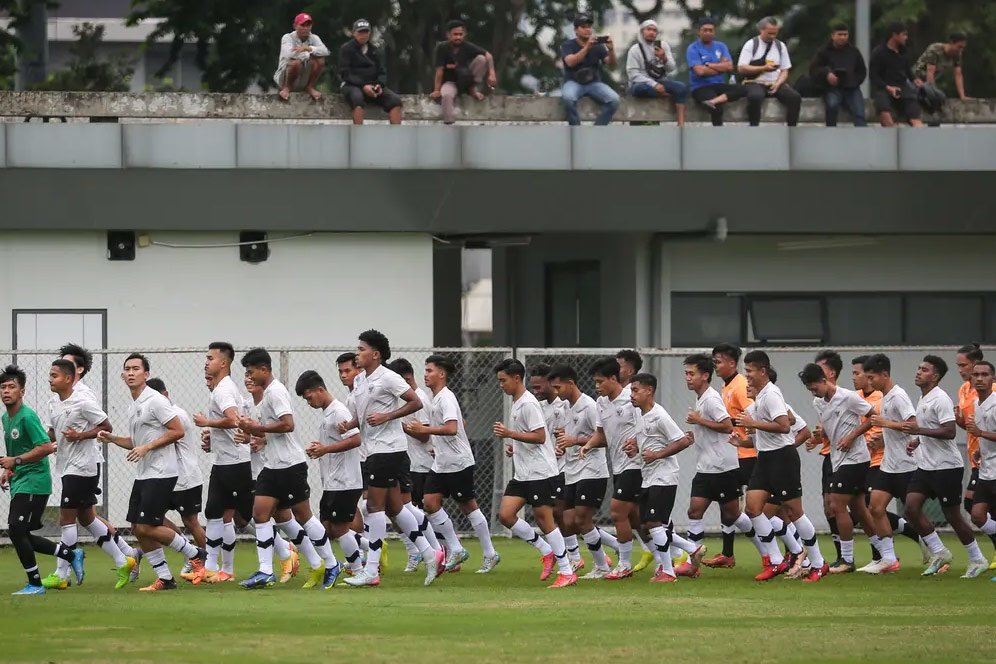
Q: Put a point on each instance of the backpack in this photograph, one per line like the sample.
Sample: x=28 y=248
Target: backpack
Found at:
x=756 y=61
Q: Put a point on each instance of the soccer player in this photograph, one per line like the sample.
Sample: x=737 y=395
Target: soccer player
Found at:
x=76 y=420
x=725 y=358
x=717 y=476
x=586 y=478
x=555 y=414
x=982 y=424
x=382 y=398
x=658 y=439
x=338 y=457
x=630 y=364
x=24 y=469
x=346 y=366
x=965 y=360
x=939 y=469
x=153 y=428
x=452 y=472
x=777 y=471
x=534 y=480
x=841 y=411
x=282 y=491
x=832 y=364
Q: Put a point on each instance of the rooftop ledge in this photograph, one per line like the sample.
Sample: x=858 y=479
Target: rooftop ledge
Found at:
x=110 y=106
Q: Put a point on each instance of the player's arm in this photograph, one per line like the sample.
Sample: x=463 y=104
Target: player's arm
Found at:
x=722 y=426
x=124 y=442
x=422 y=431
x=534 y=437
x=43 y=447
x=946 y=431
x=973 y=428
x=596 y=440
x=91 y=434
x=894 y=425
x=779 y=425
x=316 y=450
x=673 y=448
x=802 y=436
x=848 y=440
x=412 y=405
x=174 y=432
x=284 y=424
x=229 y=421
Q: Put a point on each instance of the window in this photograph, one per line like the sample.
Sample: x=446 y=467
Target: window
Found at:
x=573 y=304
x=787 y=319
x=865 y=319
x=705 y=320
x=943 y=318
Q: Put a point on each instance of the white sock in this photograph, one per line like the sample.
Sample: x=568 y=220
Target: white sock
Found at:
x=847 y=550
x=744 y=525
x=887 y=548
x=215 y=537
x=444 y=526
x=556 y=541
x=319 y=538
x=408 y=525
x=280 y=545
x=573 y=550
x=626 y=554
x=350 y=550
x=791 y=539
x=807 y=532
x=594 y=542
x=295 y=533
x=989 y=527
x=69 y=537
x=424 y=525
x=608 y=539
x=682 y=543
x=106 y=543
x=181 y=545
x=483 y=532
x=228 y=548
x=974 y=553
x=902 y=524
x=696 y=532
x=413 y=551
x=377 y=522
x=524 y=531
x=363 y=542
x=662 y=541
x=125 y=548
x=643 y=545
x=264 y=546
x=157 y=558
x=933 y=542
x=766 y=535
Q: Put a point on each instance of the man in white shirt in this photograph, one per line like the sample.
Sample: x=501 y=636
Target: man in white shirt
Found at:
x=282 y=489
x=777 y=472
x=452 y=473
x=338 y=456
x=764 y=63
x=939 y=470
x=382 y=399
x=534 y=480
x=983 y=425
x=302 y=58
x=348 y=371
x=153 y=430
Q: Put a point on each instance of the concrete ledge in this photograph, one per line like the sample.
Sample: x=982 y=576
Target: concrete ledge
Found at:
x=498 y=108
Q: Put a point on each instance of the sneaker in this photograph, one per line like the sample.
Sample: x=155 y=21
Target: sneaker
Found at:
x=159 y=584
x=548 y=562
x=434 y=566
x=564 y=580
x=77 y=564
x=842 y=567
x=124 y=573
x=219 y=577
x=890 y=568
x=577 y=564
x=938 y=564
x=687 y=569
x=489 y=563
x=874 y=567
x=29 y=589
x=771 y=571
x=331 y=576
x=133 y=576
x=455 y=559
x=55 y=582
x=186 y=569
x=800 y=572
x=259 y=580
x=646 y=558
x=975 y=569
x=697 y=555
x=663 y=577
x=597 y=573
x=720 y=561
x=992 y=565
x=796 y=566
x=836 y=563
x=414 y=560
x=817 y=573
x=363 y=579
x=618 y=573
x=383 y=557
x=290 y=567
x=197 y=570
x=315 y=577
x=682 y=557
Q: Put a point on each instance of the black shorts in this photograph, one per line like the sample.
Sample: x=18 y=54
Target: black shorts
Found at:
x=850 y=479
x=779 y=473
x=656 y=503
x=339 y=506
x=746 y=470
x=150 y=500
x=826 y=472
x=626 y=485
x=906 y=106
x=894 y=484
x=870 y=478
x=187 y=501
x=561 y=484
x=353 y=94
x=586 y=493
x=388 y=470
x=985 y=492
x=537 y=493
x=26 y=511
x=79 y=491
x=363 y=474
x=717 y=487
x=945 y=485
x=459 y=485
x=288 y=485
x=973 y=480
x=418 y=481
x=230 y=488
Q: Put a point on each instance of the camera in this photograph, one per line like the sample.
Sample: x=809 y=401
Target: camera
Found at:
x=603 y=39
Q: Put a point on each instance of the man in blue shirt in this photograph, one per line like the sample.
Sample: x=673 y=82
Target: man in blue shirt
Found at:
x=582 y=58
x=709 y=69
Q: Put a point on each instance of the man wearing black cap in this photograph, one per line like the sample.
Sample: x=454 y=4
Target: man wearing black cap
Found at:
x=461 y=66
x=364 y=76
x=894 y=88
x=583 y=57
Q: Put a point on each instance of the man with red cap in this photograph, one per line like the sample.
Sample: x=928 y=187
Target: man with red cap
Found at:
x=302 y=58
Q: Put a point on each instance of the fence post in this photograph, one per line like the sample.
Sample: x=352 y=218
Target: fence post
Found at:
x=285 y=367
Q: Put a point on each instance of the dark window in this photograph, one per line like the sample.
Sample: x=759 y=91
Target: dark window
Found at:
x=705 y=320
x=573 y=304
x=855 y=320
x=990 y=319
x=787 y=319
x=943 y=318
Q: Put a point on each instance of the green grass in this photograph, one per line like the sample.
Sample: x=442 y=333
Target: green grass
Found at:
x=509 y=616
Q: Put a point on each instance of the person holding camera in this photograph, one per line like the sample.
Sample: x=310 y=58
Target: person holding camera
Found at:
x=764 y=62
x=894 y=89
x=709 y=68
x=839 y=68
x=461 y=66
x=648 y=65
x=364 y=76
x=582 y=58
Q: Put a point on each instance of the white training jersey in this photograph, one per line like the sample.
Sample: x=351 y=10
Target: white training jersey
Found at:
x=148 y=416
x=420 y=453
x=531 y=461
x=897 y=407
x=555 y=415
x=839 y=417
x=340 y=470
x=655 y=431
x=453 y=453
x=79 y=413
x=380 y=392
x=250 y=409
x=617 y=419
x=187 y=450
x=226 y=451
x=80 y=390
x=351 y=407
x=934 y=409
x=283 y=450
x=716 y=455
x=768 y=406
x=985 y=419
x=581 y=420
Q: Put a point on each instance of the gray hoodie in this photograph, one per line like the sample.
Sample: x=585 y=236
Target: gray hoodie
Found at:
x=636 y=67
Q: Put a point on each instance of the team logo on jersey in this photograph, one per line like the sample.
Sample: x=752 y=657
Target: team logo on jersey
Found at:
x=719 y=54
x=15 y=434
x=138 y=413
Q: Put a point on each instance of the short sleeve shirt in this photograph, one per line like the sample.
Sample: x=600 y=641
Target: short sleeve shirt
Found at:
x=778 y=54
x=934 y=409
x=555 y=414
x=655 y=431
x=701 y=54
x=451 y=59
x=897 y=407
x=453 y=453
x=187 y=450
x=21 y=434
x=227 y=452
x=769 y=406
x=935 y=55
x=985 y=419
x=531 y=461
x=78 y=413
x=581 y=420
x=617 y=419
x=841 y=416
x=419 y=452
x=283 y=450
x=340 y=470
x=716 y=455
x=148 y=416
x=593 y=60
x=380 y=392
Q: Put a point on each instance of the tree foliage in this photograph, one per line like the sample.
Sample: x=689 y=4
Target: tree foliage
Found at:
x=10 y=45
x=88 y=70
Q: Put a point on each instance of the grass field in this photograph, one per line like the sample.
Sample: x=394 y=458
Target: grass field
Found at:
x=510 y=616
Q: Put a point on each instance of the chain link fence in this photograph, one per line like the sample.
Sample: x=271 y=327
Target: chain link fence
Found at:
x=477 y=391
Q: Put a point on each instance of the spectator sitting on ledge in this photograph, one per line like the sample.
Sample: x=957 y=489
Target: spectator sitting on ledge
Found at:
x=582 y=58
x=302 y=58
x=364 y=76
x=648 y=65
x=460 y=67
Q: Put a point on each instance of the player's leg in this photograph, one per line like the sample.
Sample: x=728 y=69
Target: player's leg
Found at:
x=512 y=503
x=59 y=579
x=920 y=490
x=25 y=517
x=263 y=509
x=409 y=526
x=543 y=513
x=878 y=510
x=87 y=517
x=315 y=544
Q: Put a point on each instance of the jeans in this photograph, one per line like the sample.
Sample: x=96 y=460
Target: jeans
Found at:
x=789 y=98
x=600 y=92
x=851 y=99
x=677 y=90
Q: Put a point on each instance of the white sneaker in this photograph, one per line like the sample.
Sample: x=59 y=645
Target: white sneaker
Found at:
x=938 y=564
x=597 y=573
x=975 y=569
x=874 y=567
x=363 y=579
x=489 y=563
x=413 y=563
x=434 y=564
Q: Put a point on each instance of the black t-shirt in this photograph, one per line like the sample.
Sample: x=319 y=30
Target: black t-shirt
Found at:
x=452 y=60
x=593 y=60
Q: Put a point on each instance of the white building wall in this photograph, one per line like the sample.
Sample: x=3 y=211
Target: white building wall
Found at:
x=318 y=290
